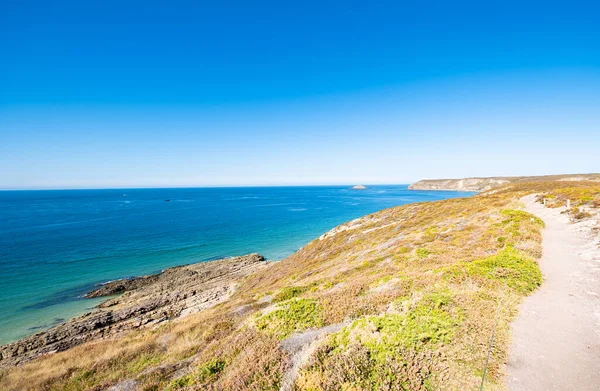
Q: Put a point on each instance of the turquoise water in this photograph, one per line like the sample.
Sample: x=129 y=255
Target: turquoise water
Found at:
x=56 y=245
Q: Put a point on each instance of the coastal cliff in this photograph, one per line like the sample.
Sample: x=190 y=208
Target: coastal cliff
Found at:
x=405 y=296
x=484 y=184
x=466 y=184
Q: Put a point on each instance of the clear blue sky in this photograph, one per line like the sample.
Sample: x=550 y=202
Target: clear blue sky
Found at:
x=147 y=93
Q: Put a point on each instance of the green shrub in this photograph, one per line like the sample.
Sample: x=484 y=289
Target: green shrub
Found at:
x=288 y=293
x=519 y=216
x=210 y=369
x=202 y=374
x=143 y=362
x=290 y=316
x=429 y=323
x=182 y=382
x=509 y=266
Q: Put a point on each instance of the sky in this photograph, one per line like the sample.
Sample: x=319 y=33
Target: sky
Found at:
x=235 y=93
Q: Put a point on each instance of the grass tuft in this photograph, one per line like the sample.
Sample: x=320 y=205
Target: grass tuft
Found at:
x=288 y=292
x=508 y=266
x=386 y=335
x=290 y=316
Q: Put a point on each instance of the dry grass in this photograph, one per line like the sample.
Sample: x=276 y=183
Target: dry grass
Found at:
x=419 y=285
x=584 y=198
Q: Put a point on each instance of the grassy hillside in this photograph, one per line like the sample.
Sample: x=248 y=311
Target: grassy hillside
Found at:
x=403 y=299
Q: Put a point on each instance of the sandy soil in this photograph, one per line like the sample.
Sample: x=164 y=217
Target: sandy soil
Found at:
x=556 y=337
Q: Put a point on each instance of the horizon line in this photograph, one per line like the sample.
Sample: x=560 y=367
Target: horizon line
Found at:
x=206 y=186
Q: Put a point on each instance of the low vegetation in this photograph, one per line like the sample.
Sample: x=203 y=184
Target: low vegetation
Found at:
x=290 y=316
x=584 y=200
x=415 y=292
x=508 y=267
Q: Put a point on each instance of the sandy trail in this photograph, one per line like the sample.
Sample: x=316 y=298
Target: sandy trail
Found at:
x=556 y=337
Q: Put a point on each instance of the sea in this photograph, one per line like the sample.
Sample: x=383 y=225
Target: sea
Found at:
x=56 y=245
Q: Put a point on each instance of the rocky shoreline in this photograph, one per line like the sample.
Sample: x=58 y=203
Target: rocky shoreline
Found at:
x=143 y=301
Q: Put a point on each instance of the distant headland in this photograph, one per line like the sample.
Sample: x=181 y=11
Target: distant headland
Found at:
x=484 y=184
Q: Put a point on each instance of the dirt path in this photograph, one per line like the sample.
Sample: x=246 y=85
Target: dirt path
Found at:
x=556 y=337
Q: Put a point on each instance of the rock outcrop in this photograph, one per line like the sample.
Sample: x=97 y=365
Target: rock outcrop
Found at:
x=144 y=301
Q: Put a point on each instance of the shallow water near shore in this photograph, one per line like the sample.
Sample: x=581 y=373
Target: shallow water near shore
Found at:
x=56 y=245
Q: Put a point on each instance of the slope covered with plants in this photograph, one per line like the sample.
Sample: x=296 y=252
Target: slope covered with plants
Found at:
x=403 y=299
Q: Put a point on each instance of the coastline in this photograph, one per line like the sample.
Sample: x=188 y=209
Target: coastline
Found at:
x=447 y=189
x=373 y=281
x=59 y=336
x=139 y=302
x=187 y=230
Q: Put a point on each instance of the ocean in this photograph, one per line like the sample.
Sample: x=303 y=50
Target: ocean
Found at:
x=55 y=245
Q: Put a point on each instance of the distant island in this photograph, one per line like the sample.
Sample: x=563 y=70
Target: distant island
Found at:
x=359 y=187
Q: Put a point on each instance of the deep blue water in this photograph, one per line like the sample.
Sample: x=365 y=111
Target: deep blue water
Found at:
x=56 y=245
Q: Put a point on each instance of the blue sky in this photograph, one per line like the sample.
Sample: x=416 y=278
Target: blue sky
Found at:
x=137 y=94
